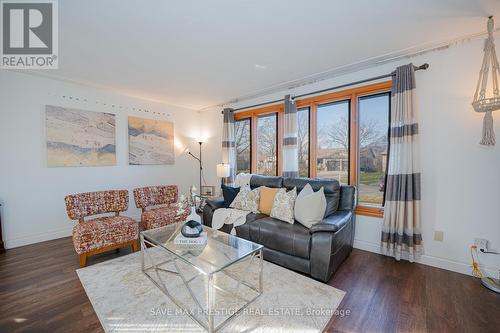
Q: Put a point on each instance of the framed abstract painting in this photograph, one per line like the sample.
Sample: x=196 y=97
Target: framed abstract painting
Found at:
x=79 y=138
x=150 y=141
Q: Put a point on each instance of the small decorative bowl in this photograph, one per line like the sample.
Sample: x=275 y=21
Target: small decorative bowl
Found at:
x=192 y=229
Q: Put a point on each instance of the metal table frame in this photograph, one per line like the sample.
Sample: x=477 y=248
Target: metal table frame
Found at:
x=210 y=288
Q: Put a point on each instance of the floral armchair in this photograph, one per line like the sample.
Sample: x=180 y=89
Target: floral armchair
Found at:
x=101 y=234
x=158 y=204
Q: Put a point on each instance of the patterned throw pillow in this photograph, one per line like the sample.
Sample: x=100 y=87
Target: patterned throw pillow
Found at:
x=247 y=199
x=283 y=205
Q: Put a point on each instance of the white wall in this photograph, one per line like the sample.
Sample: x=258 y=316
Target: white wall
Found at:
x=32 y=194
x=460 y=178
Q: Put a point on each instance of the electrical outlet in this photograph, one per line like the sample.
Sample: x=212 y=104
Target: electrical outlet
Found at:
x=482 y=244
x=438 y=236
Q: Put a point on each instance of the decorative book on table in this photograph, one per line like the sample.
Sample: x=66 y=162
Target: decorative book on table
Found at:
x=200 y=240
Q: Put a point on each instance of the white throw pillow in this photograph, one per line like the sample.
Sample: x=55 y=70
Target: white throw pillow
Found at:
x=242 y=179
x=310 y=206
x=247 y=199
x=283 y=205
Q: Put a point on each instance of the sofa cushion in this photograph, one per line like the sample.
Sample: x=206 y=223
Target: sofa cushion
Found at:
x=86 y=204
x=266 y=199
x=243 y=230
x=292 y=239
x=283 y=205
x=330 y=186
x=229 y=193
x=247 y=199
x=310 y=206
x=155 y=195
x=102 y=232
x=159 y=217
x=269 y=181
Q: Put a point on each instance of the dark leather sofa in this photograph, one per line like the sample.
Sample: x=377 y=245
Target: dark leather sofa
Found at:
x=318 y=251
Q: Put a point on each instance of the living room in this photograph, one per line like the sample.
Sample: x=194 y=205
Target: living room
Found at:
x=249 y=166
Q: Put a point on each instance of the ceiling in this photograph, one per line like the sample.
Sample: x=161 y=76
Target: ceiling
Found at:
x=201 y=53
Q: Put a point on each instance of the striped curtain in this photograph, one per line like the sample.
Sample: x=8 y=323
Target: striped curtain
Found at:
x=290 y=149
x=401 y=231
x=228 y=144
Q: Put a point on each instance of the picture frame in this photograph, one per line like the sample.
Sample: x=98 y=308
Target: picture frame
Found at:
x=207 y=190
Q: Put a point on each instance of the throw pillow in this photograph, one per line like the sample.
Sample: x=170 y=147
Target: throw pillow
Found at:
x=310 y=206
x=283 y=205
x=247 y=199
x=229 y=193
x=266 y=200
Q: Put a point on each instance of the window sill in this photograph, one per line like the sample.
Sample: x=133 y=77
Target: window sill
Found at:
x=369 y=211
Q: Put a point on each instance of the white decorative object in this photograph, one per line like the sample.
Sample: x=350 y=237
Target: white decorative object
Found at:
x=310 y=206
x=193 y=216
x=182 y=205
x=482 y=102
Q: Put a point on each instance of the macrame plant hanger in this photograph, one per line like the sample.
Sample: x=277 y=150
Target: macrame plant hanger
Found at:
x=483 y=103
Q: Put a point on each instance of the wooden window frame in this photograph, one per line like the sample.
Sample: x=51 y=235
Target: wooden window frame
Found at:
x=313 y=102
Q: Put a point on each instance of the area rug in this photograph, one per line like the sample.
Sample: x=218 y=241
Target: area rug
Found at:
x=125 y=300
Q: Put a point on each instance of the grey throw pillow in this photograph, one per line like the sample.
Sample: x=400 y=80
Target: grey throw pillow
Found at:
x=310 y=206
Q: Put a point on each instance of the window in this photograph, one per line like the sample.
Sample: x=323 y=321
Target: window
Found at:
x=303 y=141
x=372 y=146
x=243 y=139
x=342 y=135
x=267 y=162
x=332 y=155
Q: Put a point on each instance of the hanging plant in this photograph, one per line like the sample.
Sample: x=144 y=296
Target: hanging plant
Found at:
x=482 y=102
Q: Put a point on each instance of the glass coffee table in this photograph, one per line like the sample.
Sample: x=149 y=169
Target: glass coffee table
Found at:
x=199 y=267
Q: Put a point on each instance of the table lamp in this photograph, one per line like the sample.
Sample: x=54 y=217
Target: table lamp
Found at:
x=223 y=171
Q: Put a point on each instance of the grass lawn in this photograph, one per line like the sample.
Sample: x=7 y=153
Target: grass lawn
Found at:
x=370 y=178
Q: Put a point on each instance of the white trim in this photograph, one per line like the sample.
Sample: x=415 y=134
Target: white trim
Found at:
x=37 y=238
x=45 y=236
x=443 y=263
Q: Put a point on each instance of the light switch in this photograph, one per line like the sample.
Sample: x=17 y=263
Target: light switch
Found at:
x=438 y=236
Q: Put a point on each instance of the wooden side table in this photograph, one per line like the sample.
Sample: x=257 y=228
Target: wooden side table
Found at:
x=2 y=248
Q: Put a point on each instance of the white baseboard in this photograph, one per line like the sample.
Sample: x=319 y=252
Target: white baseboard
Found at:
x=443 y=263
x=450 y=265
x=45 y=236
x=37 y=238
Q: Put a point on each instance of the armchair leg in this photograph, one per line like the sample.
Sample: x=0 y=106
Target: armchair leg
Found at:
x=83 y=260
x=135 y=246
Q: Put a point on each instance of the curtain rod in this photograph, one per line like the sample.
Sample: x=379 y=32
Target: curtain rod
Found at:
x=424 y=66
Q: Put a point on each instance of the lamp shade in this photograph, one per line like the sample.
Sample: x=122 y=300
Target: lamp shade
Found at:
x=223 y=170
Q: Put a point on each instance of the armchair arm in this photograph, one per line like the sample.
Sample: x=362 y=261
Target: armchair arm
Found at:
x=331 y=244
x=333 y=222
x=210 y=207
x=216 y=203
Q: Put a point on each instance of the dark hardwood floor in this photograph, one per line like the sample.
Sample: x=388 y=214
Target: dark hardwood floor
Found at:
x=40 y=292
